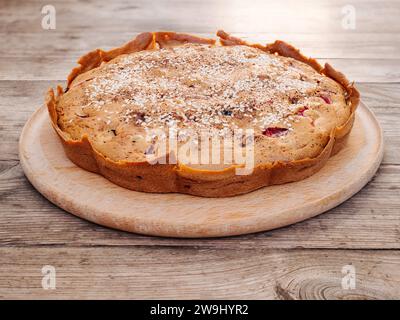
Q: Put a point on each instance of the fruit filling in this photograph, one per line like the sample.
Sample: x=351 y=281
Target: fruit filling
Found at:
x=327 y=99
x=301 y=111
x=275 y=132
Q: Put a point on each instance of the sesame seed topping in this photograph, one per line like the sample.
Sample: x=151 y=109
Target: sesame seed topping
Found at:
x=200 y=87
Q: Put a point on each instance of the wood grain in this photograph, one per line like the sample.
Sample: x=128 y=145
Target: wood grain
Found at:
x=168 y=273
x=285 y=16
x=373 y=45
x=69 y=46
x=33 y=232
x=369 y=220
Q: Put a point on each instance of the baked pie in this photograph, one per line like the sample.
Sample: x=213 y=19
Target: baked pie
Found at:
x=192 y=104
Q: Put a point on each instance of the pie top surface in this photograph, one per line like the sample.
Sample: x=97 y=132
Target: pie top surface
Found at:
x=197 y=88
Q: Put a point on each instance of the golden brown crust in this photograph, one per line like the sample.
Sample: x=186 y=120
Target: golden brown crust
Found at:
x=142 y=176
x=94 y=58
x=165 y=39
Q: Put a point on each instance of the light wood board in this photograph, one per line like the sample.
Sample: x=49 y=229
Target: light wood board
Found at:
x=94 y=198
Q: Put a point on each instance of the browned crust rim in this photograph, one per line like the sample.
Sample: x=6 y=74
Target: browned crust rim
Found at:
x=142 y=176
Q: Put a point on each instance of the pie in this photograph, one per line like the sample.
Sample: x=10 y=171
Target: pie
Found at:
x=195 y=106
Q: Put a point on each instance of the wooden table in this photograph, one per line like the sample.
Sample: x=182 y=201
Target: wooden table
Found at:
x=305 y=260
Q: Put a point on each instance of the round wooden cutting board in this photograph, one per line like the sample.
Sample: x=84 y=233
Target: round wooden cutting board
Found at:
x=94 y=198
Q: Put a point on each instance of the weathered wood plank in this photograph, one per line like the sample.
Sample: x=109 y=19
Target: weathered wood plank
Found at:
x=69 y=45
x=322 y=16
x=144 y=273
x=150 y=267
x=31 y=53
x=369 y=220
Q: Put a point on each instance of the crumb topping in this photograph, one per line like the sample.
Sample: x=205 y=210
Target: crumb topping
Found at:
x=206 y=88
x=202 y=87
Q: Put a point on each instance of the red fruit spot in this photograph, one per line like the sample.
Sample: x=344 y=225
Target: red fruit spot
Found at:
x=274 y=132
x=326 y=99
x=301 y=111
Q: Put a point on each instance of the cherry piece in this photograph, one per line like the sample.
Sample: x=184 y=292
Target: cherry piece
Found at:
x=301 y=111
x=274 y=132
x=326 y=99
